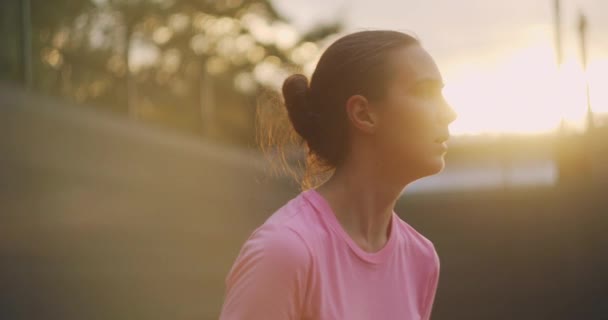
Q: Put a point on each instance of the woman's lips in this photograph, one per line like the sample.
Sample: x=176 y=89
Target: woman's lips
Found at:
x=442 y=143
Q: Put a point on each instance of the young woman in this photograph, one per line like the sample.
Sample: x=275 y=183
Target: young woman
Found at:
x=374 y=115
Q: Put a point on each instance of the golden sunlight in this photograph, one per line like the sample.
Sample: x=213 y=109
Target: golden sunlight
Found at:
x=524 y=93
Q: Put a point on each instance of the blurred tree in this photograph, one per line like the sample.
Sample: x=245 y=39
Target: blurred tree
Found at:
x=193 y=65
x=10 y=55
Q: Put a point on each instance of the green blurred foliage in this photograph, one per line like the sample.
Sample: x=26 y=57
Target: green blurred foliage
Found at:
x=196 y=66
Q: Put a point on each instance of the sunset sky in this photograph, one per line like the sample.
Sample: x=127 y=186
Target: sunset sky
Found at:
x=497 y=57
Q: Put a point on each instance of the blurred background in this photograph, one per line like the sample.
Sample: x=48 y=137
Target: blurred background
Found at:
x=130 y=177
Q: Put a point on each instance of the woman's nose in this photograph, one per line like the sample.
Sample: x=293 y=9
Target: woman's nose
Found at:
x=447 y=114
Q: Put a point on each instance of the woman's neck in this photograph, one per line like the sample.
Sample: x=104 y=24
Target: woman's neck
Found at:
x=363 y=202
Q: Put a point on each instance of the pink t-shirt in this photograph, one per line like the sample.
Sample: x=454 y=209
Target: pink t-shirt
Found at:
x=301 y=264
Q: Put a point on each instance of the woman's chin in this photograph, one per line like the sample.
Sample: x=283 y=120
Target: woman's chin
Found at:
x=433 y=166
x=424 y=169
x=408 y=169
x=440 y=164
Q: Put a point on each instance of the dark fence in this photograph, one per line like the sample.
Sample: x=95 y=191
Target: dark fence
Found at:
x=538 y=253
x=105 y=218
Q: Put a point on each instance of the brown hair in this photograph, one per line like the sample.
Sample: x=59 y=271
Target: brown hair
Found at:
x=355 y=64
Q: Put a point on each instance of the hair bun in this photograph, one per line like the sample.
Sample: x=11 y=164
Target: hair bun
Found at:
x=295 y=92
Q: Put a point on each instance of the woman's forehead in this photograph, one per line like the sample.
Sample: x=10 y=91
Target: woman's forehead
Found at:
x=413 y=64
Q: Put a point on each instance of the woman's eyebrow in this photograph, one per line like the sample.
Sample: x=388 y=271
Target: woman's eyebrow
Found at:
x=428 y=83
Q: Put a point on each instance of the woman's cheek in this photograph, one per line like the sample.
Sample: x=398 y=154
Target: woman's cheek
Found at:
x=418 y=121
x=407 y=126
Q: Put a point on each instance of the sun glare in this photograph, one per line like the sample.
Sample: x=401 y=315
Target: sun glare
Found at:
x=524 y=93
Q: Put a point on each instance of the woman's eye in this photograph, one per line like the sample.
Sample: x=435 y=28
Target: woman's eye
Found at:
x=428 y=89
x=428 y=92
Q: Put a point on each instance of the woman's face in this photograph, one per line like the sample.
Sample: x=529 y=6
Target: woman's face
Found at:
x=413 y=116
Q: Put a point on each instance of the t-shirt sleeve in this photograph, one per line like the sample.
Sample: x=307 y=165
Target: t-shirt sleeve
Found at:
x=432 y=287
x=269 y=277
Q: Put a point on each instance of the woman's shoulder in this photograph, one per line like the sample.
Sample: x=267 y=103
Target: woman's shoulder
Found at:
x=297 y=215
x=290 y=212
x=288 y=228
x=278 y=243
x=414 y=239
x=271 y=270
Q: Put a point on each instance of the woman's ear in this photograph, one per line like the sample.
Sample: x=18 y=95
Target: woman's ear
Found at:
x=360 y=114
